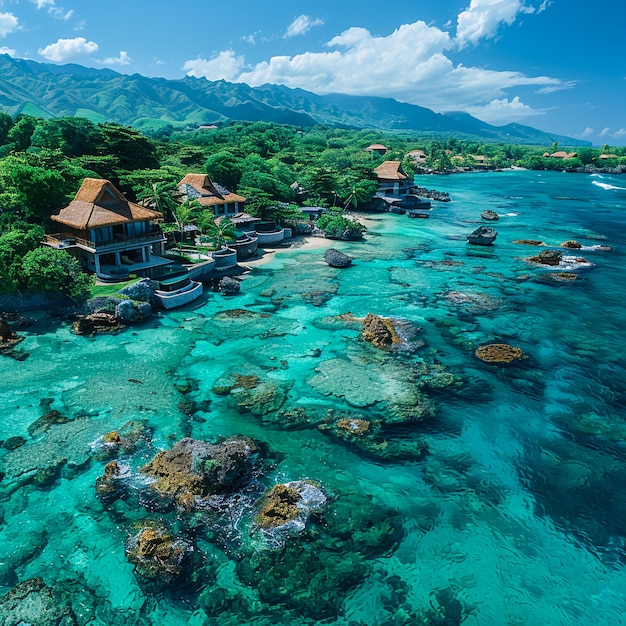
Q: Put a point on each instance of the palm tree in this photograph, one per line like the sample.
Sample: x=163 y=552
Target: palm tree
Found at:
x=220 y=231
x=185 y=213
x=160 y=196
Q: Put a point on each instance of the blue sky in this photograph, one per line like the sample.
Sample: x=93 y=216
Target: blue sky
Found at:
x=557 y=65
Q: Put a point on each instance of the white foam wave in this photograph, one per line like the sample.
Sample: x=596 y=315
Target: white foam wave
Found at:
x=606 y=185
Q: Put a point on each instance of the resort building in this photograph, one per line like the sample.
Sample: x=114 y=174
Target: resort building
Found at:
x=418 y=156
x=210 y=195
x=377 y=149
x=561 y=154
x=396 y=190
x=109 y=235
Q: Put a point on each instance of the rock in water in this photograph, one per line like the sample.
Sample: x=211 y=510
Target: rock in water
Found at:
x=379 y=331
x=499 y=353
x=334 y=258
x=482 y=236
x=229 y=286
x=547 y=257
x=489 y=215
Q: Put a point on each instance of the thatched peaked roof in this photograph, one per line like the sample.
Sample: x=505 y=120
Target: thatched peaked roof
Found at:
x=390 y=170
x=98 y=203
x=200 y=187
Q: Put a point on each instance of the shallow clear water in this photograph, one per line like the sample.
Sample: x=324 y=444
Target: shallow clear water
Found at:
x=515 y=514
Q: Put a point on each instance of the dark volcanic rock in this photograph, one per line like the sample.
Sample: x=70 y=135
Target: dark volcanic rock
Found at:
x=547 y=257
x=489 y=215
x=482 y=236
x=143 y=290
x=334 y=258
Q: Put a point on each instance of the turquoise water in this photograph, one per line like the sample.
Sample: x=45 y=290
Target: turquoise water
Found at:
x=493 y=496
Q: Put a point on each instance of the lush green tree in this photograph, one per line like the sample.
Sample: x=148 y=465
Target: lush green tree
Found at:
x=225 y=168
x=132 y=149
x=337 y=226
x=161 y=196
x=73 y=136
x=47 y=270
x=21 y=132
x=6 y=123
x=16 y=240
x=35 y=192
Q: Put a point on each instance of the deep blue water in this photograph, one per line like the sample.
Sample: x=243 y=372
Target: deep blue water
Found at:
x=506 y=506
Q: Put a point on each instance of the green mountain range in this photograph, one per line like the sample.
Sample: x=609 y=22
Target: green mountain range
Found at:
x=46 y=90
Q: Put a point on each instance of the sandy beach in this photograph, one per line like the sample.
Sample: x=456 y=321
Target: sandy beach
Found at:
x=299 y=242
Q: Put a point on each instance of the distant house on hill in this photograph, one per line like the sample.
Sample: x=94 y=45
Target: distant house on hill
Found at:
x=418 y=156
x=561 y=154
x=377 y=149
x=604 y=157
x=479 y=160
x=210 y=195
x=108 y=234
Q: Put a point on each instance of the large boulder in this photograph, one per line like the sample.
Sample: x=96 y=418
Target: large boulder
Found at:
x=334 y=258
x=6 y=333
x=229 y=286
x=482 y=236
x=133 y=310
x=143 y=290
x=489 y=215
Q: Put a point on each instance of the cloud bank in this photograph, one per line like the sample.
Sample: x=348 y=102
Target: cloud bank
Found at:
x=412 y=64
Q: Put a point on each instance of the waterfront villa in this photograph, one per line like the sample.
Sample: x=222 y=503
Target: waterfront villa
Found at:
x=560 y=154
x=109 y=235
x=210 y=195
x=396 y=190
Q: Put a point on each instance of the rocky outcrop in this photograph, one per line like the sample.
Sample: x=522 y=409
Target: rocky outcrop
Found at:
x=433 y=194
x=499 y=353
x=380 y=331
x=335 y=258
x=96 y=323
x=8 y=341
x=482 y=236
x=547 y=257
x=157 y=555
x=490 y=215
x=286 y=508
x=109 y=486
x=198 y=468
x=571 y=245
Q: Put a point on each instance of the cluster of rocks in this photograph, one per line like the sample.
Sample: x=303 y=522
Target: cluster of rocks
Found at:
x=8 y=342
x=433 y=194
x=110 y=314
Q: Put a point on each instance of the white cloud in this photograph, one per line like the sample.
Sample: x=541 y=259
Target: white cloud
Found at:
x=604 y=132
x=57 y=12
x=121 y=59
x=569 y=84
x=503 y=111
x=587 y=132
x=224 y=66
x=6 y=50
x=483 y=18
x=65 y=49
x=619 y=133
x=8 y=23
x=301 y=25
x=411 y=64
